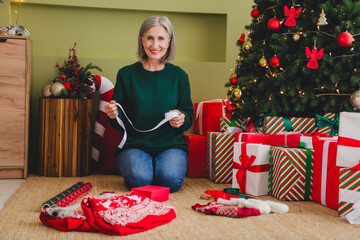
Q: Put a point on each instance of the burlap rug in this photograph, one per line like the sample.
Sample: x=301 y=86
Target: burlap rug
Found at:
x=306 y=220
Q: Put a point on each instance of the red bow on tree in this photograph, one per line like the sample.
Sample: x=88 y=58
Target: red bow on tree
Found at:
x=291 y=14
x=314 y=54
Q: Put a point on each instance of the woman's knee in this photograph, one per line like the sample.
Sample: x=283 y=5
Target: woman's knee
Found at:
x=136 y=167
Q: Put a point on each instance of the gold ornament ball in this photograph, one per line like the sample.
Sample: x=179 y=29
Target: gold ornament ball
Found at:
x=355 y=99
x=296 y=37
x=56 y=89
x=46 y=91
x=236 y=93
x=263 y=62
x=246 y=46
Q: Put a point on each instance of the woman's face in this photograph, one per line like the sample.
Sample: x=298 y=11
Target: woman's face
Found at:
x=156 y=41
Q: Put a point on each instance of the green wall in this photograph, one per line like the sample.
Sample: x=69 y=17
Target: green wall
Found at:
x=106 y=32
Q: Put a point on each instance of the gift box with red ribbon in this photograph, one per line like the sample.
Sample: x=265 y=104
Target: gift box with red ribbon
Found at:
x=290 y=173
x=197 y=155
x=208 y=115
x=348 y=154
x=329 y=123
x=252 y=138
x=219 y=156
x=251 y=168
x=349 y=190
x=240 y=124
x=326 y=174
x=273 y=125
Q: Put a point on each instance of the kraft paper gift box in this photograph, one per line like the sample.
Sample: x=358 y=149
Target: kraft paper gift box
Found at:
x=219 y=157
x=290 y=173
x=326 y=174
x=251 y=168
x=273 y=125
x=252 y=138
x=197 y=155
x=155 y=193
x=348 y=154
x=329 y=123
x=239 y=124
x=207 y=116
x=349 y=189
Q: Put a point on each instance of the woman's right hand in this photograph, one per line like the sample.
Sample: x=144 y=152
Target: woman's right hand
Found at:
x=111 y=109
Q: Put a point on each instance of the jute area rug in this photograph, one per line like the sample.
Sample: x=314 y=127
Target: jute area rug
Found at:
x=305 y=220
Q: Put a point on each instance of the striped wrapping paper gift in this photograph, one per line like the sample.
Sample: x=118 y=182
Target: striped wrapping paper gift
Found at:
x=273 y=125
x=228 y=122
x=219 y=156
x=291 y=173
x=327 y=129
x=349 y=190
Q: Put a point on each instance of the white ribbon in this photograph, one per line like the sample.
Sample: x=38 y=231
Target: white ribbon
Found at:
x=324 y=168
x=199 y=111
x=168 y=117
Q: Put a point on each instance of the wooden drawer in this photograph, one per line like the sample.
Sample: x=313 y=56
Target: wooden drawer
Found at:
x=15 y=82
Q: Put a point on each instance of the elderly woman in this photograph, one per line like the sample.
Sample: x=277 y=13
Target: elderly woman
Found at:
x=146 y=90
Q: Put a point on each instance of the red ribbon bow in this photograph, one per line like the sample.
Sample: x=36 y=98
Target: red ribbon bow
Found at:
x=246 y=165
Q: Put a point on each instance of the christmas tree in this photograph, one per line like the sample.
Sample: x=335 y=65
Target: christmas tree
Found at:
x=299 y=58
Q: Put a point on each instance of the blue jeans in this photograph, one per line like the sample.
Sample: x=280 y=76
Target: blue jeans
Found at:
x=139 y=168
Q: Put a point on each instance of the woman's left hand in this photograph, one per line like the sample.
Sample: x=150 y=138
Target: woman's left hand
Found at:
x=176 y=122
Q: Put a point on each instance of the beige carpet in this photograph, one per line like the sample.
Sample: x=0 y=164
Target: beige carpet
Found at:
x=305 y=220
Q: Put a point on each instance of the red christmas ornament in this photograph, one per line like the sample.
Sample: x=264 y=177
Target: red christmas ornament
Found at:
x=274 y=24
x=314 y=54
x=233 y=80
x=67 y=85
x=255 y=13
x=345 y=39
x=275 y=61
x=291 y=14
x=241 y=39
x=230 y=108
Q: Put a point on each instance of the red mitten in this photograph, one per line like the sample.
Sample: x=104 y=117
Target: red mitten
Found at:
x=226 y=210
x=125 y=214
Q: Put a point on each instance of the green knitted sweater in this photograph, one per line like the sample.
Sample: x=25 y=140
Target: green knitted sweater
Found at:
x=146 y=96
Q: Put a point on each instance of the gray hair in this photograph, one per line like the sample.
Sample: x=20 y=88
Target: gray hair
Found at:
x=149 y=23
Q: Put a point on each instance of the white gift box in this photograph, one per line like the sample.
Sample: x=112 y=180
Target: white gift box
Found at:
x=257 y=174
x=348 y=153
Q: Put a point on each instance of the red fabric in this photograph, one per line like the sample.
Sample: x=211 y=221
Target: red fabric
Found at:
x=332 y=174
x=211 y=115
x=115 y=215
x=252 y=138
x=66 y=224
x=225 y=210
x=216 y=194
x=197 y=155
x=125 y=214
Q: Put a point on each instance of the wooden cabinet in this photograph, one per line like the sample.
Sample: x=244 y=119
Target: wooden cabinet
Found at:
x=15 y=84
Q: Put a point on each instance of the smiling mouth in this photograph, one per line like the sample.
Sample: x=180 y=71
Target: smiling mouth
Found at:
x=155 y=51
